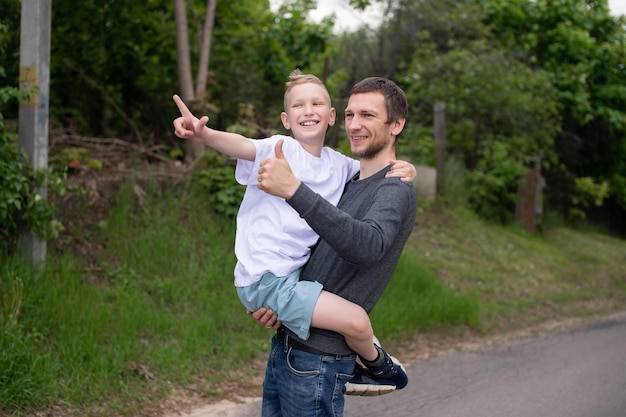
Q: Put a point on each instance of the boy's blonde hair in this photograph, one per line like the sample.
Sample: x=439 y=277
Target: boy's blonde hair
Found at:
x=298 y=78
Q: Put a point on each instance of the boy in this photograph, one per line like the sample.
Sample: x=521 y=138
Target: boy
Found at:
x=272 y=242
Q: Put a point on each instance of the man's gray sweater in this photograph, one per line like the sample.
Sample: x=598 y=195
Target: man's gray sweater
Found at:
x=360 y=243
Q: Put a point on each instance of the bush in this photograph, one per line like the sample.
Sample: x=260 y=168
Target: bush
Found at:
x=21 y=204
x=494 y=183
x=21 y=200
x=217 y=180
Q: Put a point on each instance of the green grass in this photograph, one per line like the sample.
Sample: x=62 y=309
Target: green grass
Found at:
x=415 y=301
x=141 y=303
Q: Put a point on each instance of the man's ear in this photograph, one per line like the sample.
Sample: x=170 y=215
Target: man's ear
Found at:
x=333 y=117
x=397 y=127
x=285 y=120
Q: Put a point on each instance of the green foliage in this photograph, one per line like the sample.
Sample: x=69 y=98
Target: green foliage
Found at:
x=74 y=157
x=217 y=186
x=22 y=191
x=70 y=155
x=122 y=72
x=21 y=202
x=580 y=47
x=256 y=58
x=222 y=193
x=417 y=144
x=498 y=113
x=493 y=184
x=548 y=74
x=9 y=56
x=488 y=97
x=587 y=193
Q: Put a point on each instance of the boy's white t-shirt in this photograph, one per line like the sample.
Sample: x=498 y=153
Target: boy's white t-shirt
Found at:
x=271 y=236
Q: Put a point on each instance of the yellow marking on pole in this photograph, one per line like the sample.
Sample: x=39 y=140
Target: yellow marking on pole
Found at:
x=28 y=83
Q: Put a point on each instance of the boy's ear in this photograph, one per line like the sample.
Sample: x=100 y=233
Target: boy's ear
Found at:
x=333 y=117
x=285 y=120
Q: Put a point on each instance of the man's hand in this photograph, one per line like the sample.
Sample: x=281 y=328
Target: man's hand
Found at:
x=265 y=318
x=188 y=126
x=275 y=175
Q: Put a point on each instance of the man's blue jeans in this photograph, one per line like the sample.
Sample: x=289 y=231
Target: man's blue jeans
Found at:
x=303 y=384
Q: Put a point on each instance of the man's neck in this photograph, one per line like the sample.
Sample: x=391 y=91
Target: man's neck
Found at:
x=370 y=166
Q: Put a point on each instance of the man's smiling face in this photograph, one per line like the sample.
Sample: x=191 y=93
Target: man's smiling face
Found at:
x=366 y=124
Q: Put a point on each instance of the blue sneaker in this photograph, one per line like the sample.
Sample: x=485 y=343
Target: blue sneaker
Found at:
x=363 y=385
x=388 y=371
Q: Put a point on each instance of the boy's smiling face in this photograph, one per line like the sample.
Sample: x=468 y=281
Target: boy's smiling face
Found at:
x=308 y=113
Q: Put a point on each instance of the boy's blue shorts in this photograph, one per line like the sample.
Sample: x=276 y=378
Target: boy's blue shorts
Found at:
x=291 y=299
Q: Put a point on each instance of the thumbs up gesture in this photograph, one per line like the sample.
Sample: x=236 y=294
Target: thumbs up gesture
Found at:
x=275 y=175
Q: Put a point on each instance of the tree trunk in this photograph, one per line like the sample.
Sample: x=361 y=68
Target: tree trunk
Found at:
x=182 y=50
x=205 y=49
x=193 y=99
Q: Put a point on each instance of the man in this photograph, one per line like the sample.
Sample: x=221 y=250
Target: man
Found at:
x=361 y=241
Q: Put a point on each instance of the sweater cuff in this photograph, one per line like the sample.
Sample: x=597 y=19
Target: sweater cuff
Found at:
x=301 y=200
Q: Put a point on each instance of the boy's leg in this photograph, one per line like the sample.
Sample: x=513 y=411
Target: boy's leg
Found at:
x=335 y=313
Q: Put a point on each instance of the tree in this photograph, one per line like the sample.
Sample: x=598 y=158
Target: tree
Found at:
x=582 y=50
x=194 y=97
x=112 y=64
x=489 y=96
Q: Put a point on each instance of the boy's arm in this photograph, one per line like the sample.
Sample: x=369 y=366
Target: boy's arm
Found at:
x=188 y=126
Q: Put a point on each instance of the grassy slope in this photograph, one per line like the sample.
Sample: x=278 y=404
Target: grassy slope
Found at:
x=147 y=312
x=515 y=274
x=520 y=280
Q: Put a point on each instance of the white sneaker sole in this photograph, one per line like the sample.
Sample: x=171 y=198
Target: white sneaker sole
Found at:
x=363 y=390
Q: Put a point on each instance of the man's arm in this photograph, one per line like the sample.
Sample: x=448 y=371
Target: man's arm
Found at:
x=378 y=227
x=362 y=241
x=188 y=126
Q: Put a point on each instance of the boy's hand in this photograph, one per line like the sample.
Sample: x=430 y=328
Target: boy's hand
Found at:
x=275 y=175
x=188 y=126
x=402 y=169
x=265 y=318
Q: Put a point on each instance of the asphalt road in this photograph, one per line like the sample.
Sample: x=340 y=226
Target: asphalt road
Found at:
x=574 y=372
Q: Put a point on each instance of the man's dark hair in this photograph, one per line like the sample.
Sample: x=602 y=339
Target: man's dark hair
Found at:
x=395 y=99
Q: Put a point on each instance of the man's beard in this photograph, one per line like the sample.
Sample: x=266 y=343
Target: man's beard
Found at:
x=371 y=150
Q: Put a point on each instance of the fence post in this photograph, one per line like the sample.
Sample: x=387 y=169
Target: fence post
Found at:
x=529 y=205
x=440 y=142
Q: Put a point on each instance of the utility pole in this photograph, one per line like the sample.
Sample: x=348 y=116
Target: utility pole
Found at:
x=33 y=112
